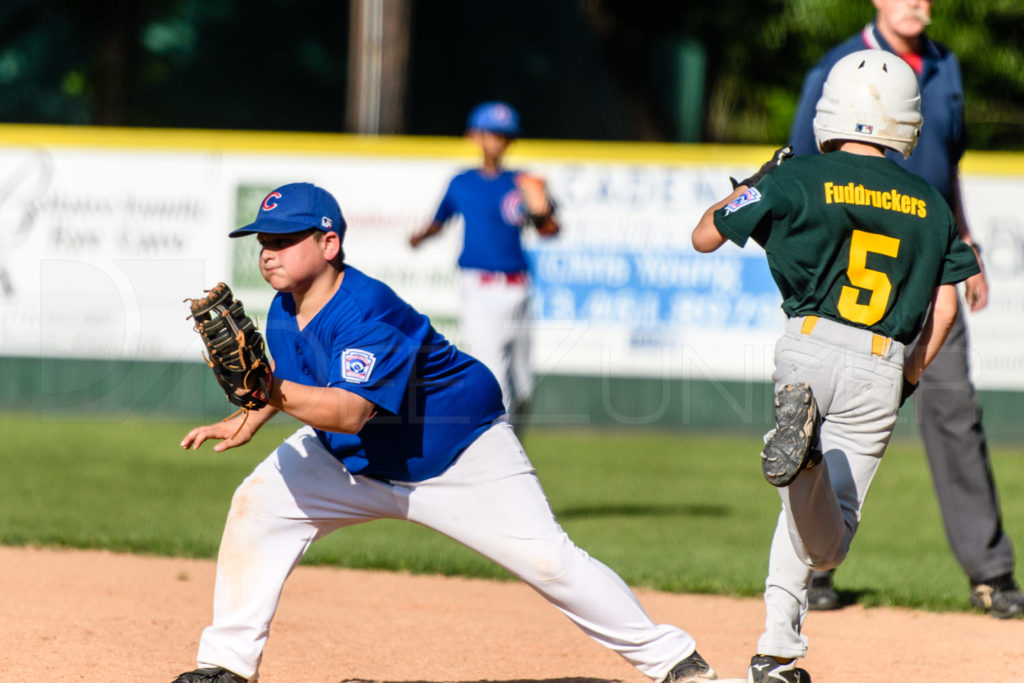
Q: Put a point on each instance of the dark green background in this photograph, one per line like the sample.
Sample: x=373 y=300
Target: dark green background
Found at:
x=114 y=390
x=724 y=71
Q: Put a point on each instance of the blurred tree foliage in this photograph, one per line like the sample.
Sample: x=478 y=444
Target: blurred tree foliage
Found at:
x=179 y=63
x=597 y=69
x=759 y=50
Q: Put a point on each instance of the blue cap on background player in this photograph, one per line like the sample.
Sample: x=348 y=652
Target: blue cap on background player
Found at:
x=296 y=207
x=494 y=117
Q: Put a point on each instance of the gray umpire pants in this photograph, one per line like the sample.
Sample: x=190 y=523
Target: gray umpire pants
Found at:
x=949 y=418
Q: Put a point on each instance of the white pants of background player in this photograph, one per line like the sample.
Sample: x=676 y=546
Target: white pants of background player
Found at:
x=494 y=325
x=489 y=500
x=856 y=378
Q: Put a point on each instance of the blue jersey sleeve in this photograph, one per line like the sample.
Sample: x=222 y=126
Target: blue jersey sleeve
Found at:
x=447 y=208
x=376 y=362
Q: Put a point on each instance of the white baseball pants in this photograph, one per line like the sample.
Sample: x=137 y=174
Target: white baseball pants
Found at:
x=495 y=329
x=856 y=379
x=489 y=500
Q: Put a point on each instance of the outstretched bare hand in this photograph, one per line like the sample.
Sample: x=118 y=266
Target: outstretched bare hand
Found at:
x=227 y=431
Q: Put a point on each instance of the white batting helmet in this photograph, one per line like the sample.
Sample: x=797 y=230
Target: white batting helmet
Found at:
x=870 y=96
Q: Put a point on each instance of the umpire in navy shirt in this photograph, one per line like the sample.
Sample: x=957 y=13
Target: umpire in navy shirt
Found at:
x=948 y=410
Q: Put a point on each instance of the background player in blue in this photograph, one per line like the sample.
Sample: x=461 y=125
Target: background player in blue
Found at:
x=948 y=410
x=866 y=256
x=495 y=204
x=399 y=424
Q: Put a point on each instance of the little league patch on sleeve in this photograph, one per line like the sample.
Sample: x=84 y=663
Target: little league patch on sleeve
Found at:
x=748 y=197
x=356 y=365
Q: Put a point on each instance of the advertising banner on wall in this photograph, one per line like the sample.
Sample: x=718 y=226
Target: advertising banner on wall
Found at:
x=99 y=244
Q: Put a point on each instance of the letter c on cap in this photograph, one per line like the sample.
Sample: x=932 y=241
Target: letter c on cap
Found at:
x=267 y=204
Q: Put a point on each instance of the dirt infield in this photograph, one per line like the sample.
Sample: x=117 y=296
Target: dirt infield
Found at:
x=97 y=616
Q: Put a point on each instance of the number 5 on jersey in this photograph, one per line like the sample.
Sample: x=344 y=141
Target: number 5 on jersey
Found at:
x=861 y=277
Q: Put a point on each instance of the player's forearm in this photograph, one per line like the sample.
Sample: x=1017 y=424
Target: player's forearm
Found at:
x=258 y=418
x=976 y=286
x=429 y=231
x=706 y=237
x=933 y=335
x=327 y=408
x=540 y=208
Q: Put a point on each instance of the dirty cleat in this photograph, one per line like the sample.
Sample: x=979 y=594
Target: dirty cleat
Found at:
x=693 y=669
x=765 y=669
x=822 y=595
x=214 y=675
x=793 y=445
x=1000 y=597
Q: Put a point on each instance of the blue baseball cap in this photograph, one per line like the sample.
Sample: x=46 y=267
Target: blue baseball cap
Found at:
x=494 y=117
x=296 y=207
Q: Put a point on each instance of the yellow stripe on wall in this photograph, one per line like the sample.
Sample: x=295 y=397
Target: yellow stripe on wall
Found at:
x=332 y=144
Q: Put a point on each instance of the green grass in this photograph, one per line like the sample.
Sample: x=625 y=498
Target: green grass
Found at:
x=668 y=510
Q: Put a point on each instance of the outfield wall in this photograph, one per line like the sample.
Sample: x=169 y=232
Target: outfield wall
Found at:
x=104 y=231
x=61 y=389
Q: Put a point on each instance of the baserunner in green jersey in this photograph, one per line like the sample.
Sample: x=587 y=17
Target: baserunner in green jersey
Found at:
x=851 y=240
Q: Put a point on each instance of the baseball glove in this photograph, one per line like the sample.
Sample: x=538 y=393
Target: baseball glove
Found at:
x=234 y=348
x=538 y=204
x=778 y=156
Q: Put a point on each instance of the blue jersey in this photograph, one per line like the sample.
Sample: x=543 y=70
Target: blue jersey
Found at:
x=942 y=141
x=432 y=399
x=493 y=212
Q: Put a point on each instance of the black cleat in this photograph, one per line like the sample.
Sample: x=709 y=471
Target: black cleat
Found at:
x=214 y=675
x=1000 y=597
x=764 y=669
x=793 y=445
x=822 y=595
x=693 y=669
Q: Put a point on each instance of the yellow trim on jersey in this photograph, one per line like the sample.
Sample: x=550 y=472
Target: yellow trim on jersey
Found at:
x=890 y=200
x=318 y=144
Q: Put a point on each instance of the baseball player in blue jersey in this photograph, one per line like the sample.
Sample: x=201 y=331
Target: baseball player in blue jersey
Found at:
x=399 y=424
x=495 y=204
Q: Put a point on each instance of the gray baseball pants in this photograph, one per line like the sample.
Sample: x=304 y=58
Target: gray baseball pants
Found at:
x=856 y=378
